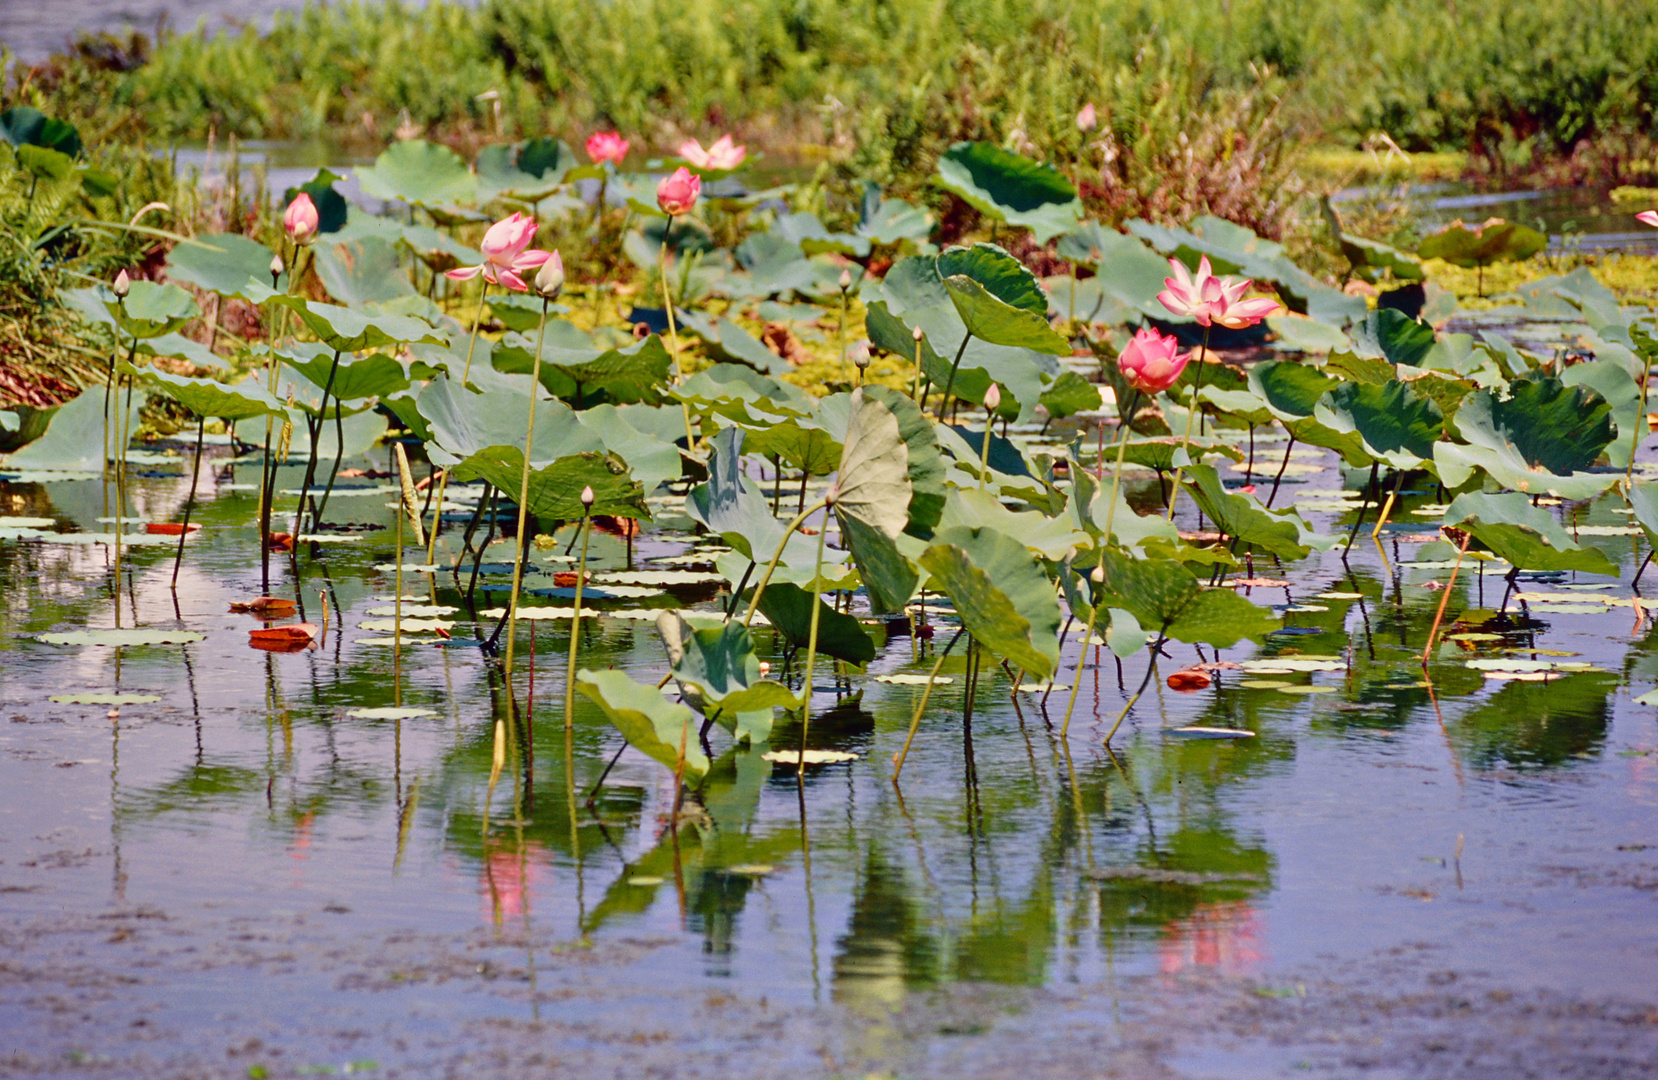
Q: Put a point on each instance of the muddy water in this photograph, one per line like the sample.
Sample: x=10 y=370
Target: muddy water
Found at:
x=1386 y=878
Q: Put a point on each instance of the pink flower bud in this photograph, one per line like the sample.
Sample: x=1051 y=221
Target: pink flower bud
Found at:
x=678 y=193
x=1087 y=119
x=123 y=285
x=993 y=398
x=301 y=219
x=587 y=497
x=1151 y=362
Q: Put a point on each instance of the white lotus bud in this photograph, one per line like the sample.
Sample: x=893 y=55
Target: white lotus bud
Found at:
x=846 y=280
x=1097 y=575
x=123 y=284
x=860 y=354
x=993 y=398
x=549 y=280
x=276 y=267
x=587 y=497
x=917 y=334
x=765 y=669
x=832 y=494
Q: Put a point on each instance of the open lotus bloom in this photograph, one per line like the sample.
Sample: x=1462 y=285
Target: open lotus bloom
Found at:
x=1210 y=300
x=1151 y=362
x=723 y=155
x=301 y=219
x=676 y=194
x=605 y=146
x=1648 y=217
x=507 y=254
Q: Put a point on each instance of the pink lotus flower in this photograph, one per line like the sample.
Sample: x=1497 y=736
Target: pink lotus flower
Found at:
x=507 y=254
x=1151 y=362
x=605 y=146
x=720 y=157
x=1208 y=299
x=676 y=194
x=301 y=219
x=1648 y=217
x=1087 y=119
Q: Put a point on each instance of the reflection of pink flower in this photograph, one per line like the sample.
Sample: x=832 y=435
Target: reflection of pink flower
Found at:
x=1151 y=362
x=301 y=219
x=1648 y=217
x=676 y=194
x=1087 y=118
x=507 y=254
x=509 y=878
x=723 y=155
x=606 y=146
x=1225 y=936
x=1208 y=299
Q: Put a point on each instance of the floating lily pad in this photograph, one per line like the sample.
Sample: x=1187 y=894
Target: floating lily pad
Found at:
x=391 y=713
x=104 y=699
x=410 y=626
x=1263 y=684
x=1305 y=689
x=808 y=757
x=1198 y=732
x=906 y=679
x=1297 y=663
x=113 y=638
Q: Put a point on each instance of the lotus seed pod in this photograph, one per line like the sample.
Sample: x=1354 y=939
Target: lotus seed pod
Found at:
x=993 y=398
x=123 y=285
x=549 y=280
x=587 y=497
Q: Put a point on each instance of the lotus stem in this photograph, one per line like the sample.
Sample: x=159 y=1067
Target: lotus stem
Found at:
x=315 y=429
x=123 y=435
x=1281 y=467
x=1082 y=658
x=950 y=384
x=575 y=627
x=1197 y=408
x=1117 y=473
x=921 y=706
x=1640 y=418
x=189 y=502
x=984 y=448
x=915 y=382
x=765 y=579
x=1387 y=507
x=1445 y=598
x=811 y=643
x=524 y=502
x=1145 y=682
x=466 y=373
x=673 y=332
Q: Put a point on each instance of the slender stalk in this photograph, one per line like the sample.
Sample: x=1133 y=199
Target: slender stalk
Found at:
x=984 y=448
x=1281 y=467
x=123 y=436
x=466 y=373
x=575 y=628
x=1117 y=473
x=1445 y=598
x=1082 y=658
x=190 y=502
x=1387 y=507
x=673 y=332
x=915 y=383
x=950 y=384
x=811 y=644
x=1640 y=418
x=765 y=579
x=524 y=502
x=921 y=706
x=1150 y=668
x=315 y=428
x=1197 y=407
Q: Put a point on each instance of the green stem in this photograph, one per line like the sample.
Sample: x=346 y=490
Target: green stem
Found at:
x=765 y=579
x=466 y=373
x=921 y=706
x=673 y=332
x=1151 y=667
x=575 y=628
x=1117 y=473
x=1082 y=658
x=1197 y=407
x=811 y=642
x=984 y=448
x=950 y=384
x=1640 y=418
x=524 y=498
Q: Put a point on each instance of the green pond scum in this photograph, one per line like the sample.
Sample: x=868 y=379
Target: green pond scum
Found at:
x=555 y=612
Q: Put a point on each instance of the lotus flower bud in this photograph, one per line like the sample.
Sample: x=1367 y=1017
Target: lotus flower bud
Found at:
x=301 y=219
x=123 y=285
x=845 y=280
x=676 y=194
x=917 y=335
x=860 y=354
x=1097 y=575
x=587 y=497
x=832 y=494
x=765 y=669
x=993 y=398
x=549 y=280
x=276 y=268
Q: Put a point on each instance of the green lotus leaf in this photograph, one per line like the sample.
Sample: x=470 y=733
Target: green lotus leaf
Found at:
x=1051 y=537
x=350 y=330
x=1000 y=592
x=892 y=334
x=636 y=373
x=1366 y=257
x=1010 y=187
x=1495 y=241
x=891 y=222
x=150 y=310
x=528 y=171
x=989 y=319
x=1291 y=390
x=204 y=397
x=1614 y=383
x=805 y=230
x=1126 y=269
x=1539 y=439
x=363 y=270
x=719 y=667
x=737 y=393
x=661 y=729
x=1070 y=394
x=1162 y=593
x=732 y=505
x=1398 y=425
x=788 y=608
x=419 y=172
x=224 y=263
x=801 y=443
x=1526 y=536
x=26 y=126
x=873 y=502
x=1643 y=500
x=651 y=453
x=1001 y=275
x=1159 y=453
x=464 y=422
x=1242 y=517
x=74 y=439
x=1393 y=336
x=556 y=489
x=353 y=378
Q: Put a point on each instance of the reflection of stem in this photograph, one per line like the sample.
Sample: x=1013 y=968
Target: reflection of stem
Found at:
x=811 y=649
x=466 y=373
x=1281 y=467
x=524 y=501
x=1197 y=408
x=575 y=626
x=765 y=578
x=1150 y=669
x=190 y=502
x=1445 y=598
x=921 y=707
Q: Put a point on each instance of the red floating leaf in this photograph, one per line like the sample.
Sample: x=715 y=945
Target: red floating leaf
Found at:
x=168 y=528
x=291 y=638
x=271 y=607
x=1188 y=681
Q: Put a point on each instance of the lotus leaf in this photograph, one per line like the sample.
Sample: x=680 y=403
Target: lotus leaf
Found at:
x=204 y=397
x=788 y=607
x=223 y=263
x=332 y=209
x=349 y=330
x=1004 y=185
x=556 y=489
x=1523 y=535
x=360 y=271
x=1070 y=394
x=25 y=126
x=1398 y=425
x=1242 y=517
x=627 y=375
x=418 y=172
x=1535 y=441
x=1162 y=593
x=119 y=638
x=1001 y=594
x=1494 y=241
x=1394 y=336
x=652 y=724
x=150 y=310
x=74 y=440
